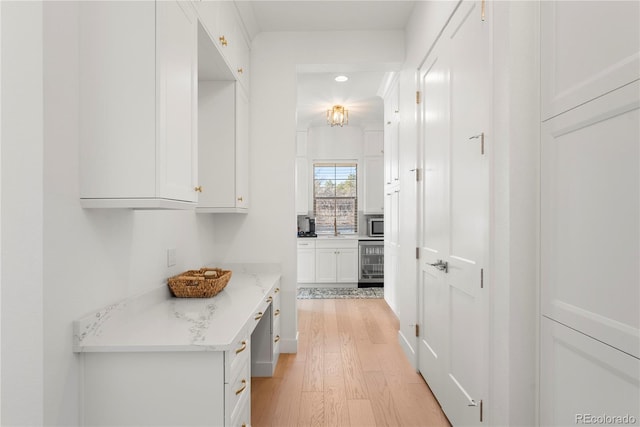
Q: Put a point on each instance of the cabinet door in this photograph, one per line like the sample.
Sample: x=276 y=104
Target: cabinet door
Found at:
x=177 y=84
x=326 y=265
x=302 y=186
x=216 y=135
x=590 y=219
x=306 y=265
x=117 y=116
x=346 y=265
x=373 y=185
x=391 y=136
x=242 y=149
x=373 y=143
x=224 y=147
x=588 y=48
x=582 y=378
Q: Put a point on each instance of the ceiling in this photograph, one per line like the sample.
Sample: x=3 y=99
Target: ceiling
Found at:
x=317 y=89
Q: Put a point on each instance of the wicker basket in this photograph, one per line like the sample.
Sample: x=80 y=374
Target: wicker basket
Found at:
x=203 y=283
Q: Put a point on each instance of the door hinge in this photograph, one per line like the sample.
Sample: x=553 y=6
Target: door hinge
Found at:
x=417 y=330
x=483 y=10
x=417 y=253
x=481 y=410
x=418 y=175
x=482 y=278
x=418 y=98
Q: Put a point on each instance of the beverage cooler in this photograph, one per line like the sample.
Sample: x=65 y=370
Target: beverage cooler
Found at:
x=371 y=263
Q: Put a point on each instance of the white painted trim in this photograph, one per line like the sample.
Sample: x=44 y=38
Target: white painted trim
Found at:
x=289 y=345
x=408 y=350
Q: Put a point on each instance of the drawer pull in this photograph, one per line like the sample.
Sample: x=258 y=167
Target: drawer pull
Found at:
x=241 y=389
x=277 y=312
x=243 y=348
x=258 y=316
x=277 y=338
x=277 y=290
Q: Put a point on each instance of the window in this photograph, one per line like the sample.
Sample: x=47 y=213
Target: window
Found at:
x=335 y=197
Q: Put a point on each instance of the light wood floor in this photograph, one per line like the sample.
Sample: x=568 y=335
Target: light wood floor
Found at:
x=349 y=371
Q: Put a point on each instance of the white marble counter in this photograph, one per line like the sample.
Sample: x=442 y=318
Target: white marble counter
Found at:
x=341 y=237
x=156 y=321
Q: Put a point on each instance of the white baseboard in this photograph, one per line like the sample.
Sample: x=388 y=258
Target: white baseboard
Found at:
x=289 y=345
x=327 y=285
x=263 y=369
x=408 y=350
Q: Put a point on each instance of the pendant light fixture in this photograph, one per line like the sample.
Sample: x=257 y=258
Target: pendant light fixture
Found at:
x=338 y=116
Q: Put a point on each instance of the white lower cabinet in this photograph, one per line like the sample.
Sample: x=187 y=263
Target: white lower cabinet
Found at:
x=584 y=381
x=306 y=260
x=266 y=338
x=237 y=387
x=337 y=261
x=182 y=384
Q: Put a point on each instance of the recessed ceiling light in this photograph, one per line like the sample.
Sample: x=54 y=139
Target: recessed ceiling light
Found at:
x=341 y=79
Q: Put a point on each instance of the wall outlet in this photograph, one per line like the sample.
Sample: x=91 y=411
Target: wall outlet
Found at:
x=171 y=257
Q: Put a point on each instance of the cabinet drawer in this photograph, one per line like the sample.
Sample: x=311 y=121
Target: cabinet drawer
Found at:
x=237 y=390
x=236 y=358
x=336 y=243
x=241 y=417
x=306 y=244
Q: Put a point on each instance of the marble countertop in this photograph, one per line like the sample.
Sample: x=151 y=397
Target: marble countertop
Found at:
x=156 y=321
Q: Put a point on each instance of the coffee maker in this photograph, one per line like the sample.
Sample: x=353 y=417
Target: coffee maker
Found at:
x=307 y=228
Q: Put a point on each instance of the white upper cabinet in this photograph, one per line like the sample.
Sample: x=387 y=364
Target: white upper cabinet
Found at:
x=374 y=172
x=373 y=185
x=224 y=147
x=391 y=136
x=373 y=143
x=587 y=49
x=138 y=87
x=222 y=22
x=302 y=186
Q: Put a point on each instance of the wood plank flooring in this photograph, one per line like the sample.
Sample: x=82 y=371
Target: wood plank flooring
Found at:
x=349 y=371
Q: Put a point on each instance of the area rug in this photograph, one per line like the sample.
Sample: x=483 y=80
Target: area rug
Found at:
x=340 y=293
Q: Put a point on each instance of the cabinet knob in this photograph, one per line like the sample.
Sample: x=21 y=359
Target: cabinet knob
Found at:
x=198 y=189
x=240 y=70
x=223 y=41
x=240 y=199
x=277 y=290
x=270 y=298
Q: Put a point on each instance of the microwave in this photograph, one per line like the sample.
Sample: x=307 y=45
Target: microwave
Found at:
x=376 y=227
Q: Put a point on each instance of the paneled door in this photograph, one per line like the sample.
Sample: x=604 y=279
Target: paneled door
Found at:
x=453 y=315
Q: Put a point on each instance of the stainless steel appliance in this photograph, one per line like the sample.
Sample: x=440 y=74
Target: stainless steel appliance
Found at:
x=307 y=228
x=371 y=263
x=375 y=227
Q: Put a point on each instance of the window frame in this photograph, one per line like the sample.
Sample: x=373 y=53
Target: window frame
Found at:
x=353 y=225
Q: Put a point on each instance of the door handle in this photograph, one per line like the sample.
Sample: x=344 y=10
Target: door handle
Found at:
x=441 y=265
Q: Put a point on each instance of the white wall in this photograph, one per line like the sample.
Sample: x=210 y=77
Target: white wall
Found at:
x=58 y=260
x=22 y=214
x=267 y=233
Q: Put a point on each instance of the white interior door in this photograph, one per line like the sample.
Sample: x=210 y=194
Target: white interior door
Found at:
x=455 y=216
